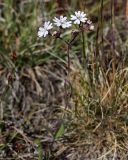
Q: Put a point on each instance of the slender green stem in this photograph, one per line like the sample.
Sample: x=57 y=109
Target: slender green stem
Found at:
x=84 y=49
x=68 y=53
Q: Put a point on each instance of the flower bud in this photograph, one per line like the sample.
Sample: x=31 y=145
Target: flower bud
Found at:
x=75 y=33
x=91 y=28
x=56 y=34
x=89 y=22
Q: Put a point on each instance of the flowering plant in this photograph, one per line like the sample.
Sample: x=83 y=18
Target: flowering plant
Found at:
x=78 y=18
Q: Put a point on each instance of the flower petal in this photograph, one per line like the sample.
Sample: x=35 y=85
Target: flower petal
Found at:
x=73 y=17
x=41 y=28
x=77 y=21
x=40 y=33
x=45 y=33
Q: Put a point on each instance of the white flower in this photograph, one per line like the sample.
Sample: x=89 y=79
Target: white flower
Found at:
x=79 y=17
x=59 y=21
x=43 y=31
x=62 y=22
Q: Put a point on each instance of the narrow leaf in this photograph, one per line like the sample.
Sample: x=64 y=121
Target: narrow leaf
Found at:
x=60 y=132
